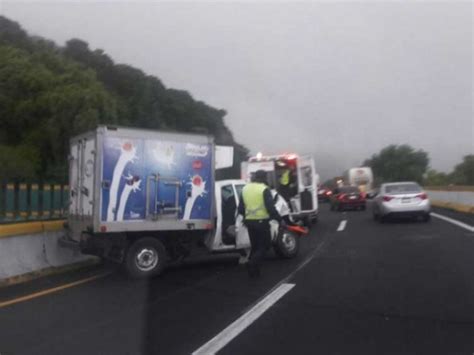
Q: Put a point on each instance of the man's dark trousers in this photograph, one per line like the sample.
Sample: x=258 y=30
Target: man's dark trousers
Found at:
x=260 y=240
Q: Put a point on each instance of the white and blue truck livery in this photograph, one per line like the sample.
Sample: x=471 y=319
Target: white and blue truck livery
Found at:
x=146 y=198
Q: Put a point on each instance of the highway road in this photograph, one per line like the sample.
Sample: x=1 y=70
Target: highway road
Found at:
x=357 y=287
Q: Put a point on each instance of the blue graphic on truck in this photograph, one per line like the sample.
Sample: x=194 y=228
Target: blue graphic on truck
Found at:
x=171 y=176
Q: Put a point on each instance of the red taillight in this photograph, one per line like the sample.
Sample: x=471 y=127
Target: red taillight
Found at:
x=328 y=193
x=422 y=196
x=387 y=198
x=341 y=197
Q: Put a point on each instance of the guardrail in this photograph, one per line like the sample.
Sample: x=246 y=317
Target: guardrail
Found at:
x=459 y=188
x=30 y=202
x=459 y=198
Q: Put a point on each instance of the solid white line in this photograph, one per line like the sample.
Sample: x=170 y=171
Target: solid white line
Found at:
x=453 y=221
x=342 y=225
x=234 y=329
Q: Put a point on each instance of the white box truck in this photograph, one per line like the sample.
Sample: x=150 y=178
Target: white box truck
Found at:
x=146 y=198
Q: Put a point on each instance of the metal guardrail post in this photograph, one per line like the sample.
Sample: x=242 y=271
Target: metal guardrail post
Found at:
x=46 y=201
x=34 y=201
x=23 y=201
x=56 y=201
x=10 y=202
x=65 y=201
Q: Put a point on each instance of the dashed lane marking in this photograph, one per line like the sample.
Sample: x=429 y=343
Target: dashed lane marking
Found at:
x=342 y=225
x=237 y=327
x=453 y=221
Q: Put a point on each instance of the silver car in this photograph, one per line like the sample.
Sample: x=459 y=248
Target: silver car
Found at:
x=401 y=199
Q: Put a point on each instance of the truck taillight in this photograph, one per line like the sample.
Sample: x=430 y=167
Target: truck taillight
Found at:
x=422 y=196
x=388 y=198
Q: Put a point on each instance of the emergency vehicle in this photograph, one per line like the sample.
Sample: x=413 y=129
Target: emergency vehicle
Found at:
x=294 y=177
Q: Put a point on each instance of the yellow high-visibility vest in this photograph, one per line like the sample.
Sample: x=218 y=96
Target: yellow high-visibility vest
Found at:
x=252 y=195
x=285 y=178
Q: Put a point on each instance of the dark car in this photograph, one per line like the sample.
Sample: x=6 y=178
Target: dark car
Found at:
x=347 y=197
x=324 y=194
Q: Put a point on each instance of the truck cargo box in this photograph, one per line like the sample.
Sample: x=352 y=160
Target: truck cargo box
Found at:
x=124 y=179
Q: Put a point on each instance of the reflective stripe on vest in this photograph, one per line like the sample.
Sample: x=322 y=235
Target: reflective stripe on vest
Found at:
x=252 y=195
x=285 y=178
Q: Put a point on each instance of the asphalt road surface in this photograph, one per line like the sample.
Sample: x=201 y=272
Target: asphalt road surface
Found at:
x=357 y=287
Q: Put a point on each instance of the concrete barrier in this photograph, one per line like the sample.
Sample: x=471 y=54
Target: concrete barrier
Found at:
x=456 y=198
x=32 y=250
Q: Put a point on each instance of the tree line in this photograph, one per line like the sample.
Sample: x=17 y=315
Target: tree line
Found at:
x=404 y=163
x=50 y=93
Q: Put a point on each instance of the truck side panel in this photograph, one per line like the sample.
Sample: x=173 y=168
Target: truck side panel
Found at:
x=164 y=182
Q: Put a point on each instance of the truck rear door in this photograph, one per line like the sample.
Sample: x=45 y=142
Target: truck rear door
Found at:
x=81 y=175
x=307 y=184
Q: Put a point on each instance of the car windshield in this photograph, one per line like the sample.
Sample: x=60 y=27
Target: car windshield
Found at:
x=402 y=189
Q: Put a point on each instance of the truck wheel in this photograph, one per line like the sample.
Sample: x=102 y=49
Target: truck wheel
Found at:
x=287 y=244
x=145 y=258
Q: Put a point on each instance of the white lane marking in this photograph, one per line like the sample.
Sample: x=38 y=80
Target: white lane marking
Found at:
x=234 y=329
x=453 y=221
x=342 y=225
x=287 y=278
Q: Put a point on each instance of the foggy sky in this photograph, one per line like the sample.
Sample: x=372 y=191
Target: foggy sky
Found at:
x=338 y=80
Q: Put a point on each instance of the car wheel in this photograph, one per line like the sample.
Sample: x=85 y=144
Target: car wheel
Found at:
x=426 y=217
x=382 y=219
x=375 y=216
x=340 y=208
x=146 y=257
x=287 y=244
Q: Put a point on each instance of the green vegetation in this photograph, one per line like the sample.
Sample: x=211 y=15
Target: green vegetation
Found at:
x=398 y=163
x=463 y=174
x=404 y=163
x=49 y=94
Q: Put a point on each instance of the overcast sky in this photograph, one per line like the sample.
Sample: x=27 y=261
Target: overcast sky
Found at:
x=340 y=80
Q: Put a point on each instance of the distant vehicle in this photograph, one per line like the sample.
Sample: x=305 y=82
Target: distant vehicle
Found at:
x=347 y=197
x=294 y=177
x=362 y=178
x=324 y=194
x=401 y=199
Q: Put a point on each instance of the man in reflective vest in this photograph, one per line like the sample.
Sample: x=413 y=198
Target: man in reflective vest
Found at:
x=257 y=208
x=286 y=184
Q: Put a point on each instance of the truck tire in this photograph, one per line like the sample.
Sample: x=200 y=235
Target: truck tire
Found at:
x=146 y=257
x=287 y=244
